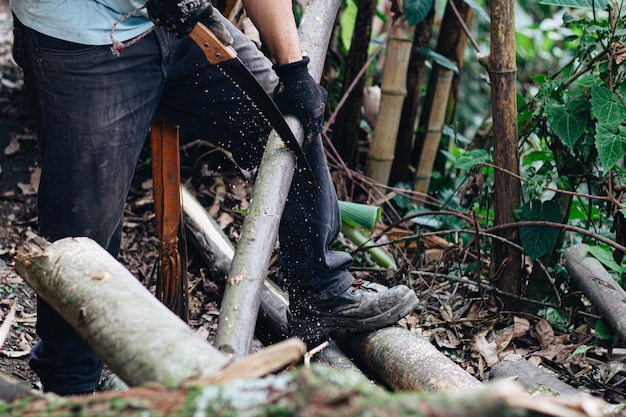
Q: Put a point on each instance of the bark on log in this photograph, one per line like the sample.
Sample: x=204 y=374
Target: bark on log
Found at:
x=240 y=304
x=124 y=324
x=531 y=377
x=407 y=361
x=596 y=283
x=306 y=391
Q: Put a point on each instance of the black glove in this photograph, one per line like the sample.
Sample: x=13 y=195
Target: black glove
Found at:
x=298 y=94
x=180 y=16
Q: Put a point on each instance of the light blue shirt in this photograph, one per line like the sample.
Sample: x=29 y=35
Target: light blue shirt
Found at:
x=86 y=22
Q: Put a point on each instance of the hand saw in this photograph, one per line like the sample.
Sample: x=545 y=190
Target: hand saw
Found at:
x=226 y=59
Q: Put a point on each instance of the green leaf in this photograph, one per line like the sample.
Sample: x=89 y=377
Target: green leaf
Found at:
x=417 y=10
x=480 y=12
x=467 y=162
x=568 y=18
x=579 y=350
x=346 y=23
x=599 y=4
x=607 y=107
x=566 y=125
x=541 y=79
x=603 y=330
x=604 y=256
x=537 y=241
x=440 y=59
x=611 y=144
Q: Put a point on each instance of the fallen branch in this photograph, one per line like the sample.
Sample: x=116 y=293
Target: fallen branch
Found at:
x=312 y=391
x=596 y=283
x=407 y=361
x=5 y=328
x=125 y=325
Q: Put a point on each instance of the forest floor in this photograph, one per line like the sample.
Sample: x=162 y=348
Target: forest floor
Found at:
x=455 y=316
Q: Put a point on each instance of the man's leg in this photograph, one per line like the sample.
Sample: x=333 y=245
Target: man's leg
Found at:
x=204 y=101
x=92 y=111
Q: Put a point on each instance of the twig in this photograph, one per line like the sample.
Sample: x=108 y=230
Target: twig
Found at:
x=314 y=351
x=5 y=328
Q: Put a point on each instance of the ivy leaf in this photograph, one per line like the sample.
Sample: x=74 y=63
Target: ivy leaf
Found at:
x=537 y=241
x=607 y=107
x=567 y=125
x=417 y=10
x=599 y=4
x=467 y=162
x=611 y=144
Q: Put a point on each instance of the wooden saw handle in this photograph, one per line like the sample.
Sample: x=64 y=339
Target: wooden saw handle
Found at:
x=210 y=44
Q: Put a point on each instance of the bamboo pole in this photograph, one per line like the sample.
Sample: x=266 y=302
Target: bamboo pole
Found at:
x=437 y=116
x=451 y=44
x=240 y=304
x=393 y=91
x=408 y=119
x=507 y=260
x=347 y=125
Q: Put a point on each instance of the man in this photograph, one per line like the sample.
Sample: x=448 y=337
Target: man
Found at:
x=93 y=109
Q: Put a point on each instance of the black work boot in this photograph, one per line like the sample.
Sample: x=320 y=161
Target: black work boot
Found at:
x=362 y=307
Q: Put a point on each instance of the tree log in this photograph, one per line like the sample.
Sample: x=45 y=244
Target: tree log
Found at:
x=407 y=361
x=531 y=377
x=125 y=325
x=240 y=304
x=305 y=391
x=596 y=283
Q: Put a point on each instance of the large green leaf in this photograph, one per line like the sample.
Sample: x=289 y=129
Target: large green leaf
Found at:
x=607 y=107
x=565 y=124
x=417 y=10
x=611 y=144
x=599 y=4
x=537 y=241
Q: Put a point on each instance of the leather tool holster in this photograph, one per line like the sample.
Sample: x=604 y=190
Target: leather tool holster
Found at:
x=171 y=285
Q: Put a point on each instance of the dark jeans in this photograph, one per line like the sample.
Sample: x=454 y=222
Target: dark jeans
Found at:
x=93 y=111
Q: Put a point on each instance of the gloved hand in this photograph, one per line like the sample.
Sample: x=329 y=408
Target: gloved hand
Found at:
x=298 y=94
x=180 y=16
